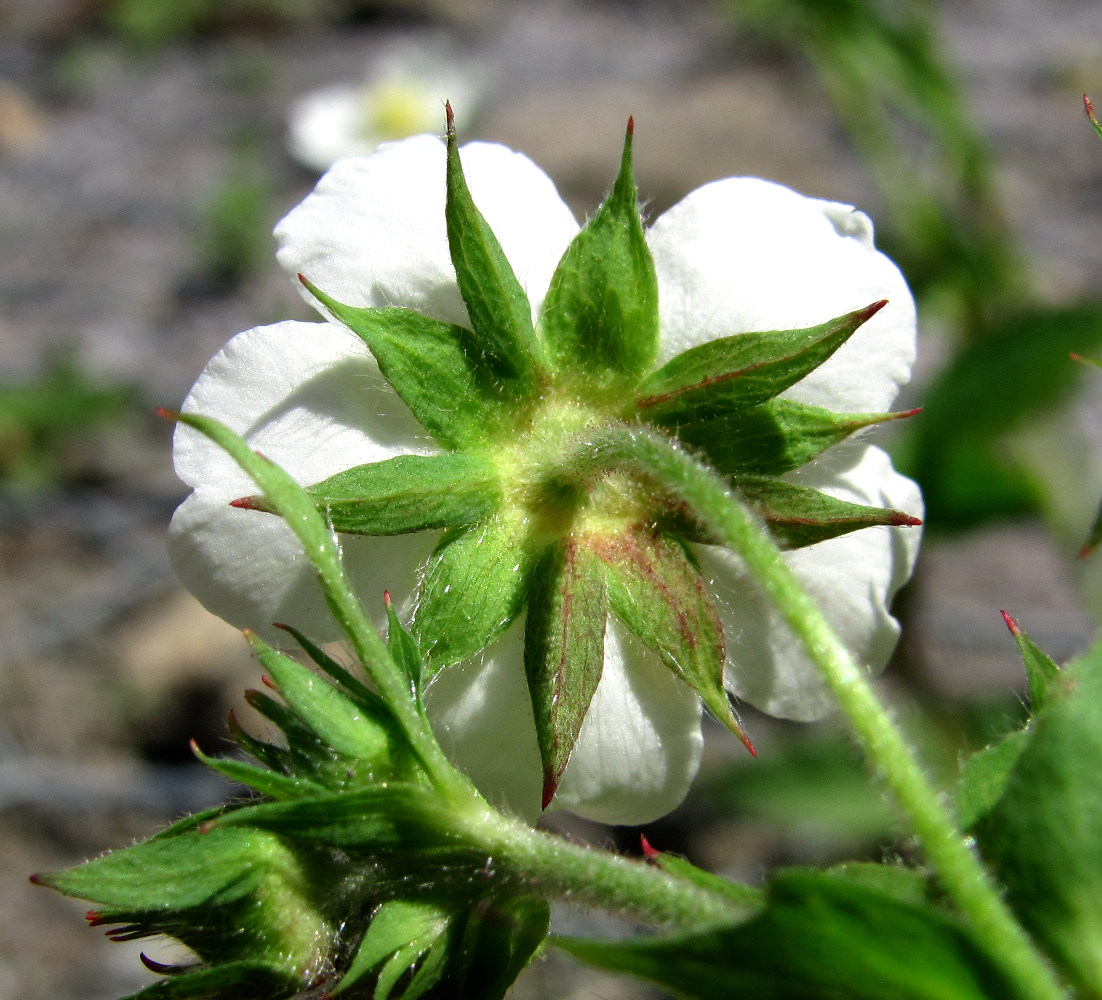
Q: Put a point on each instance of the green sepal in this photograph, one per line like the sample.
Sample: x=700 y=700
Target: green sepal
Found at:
x=564 y=650
x=656 y=591
x=600 y=316
x=400 y=933
x=403 y=494
x=248 y=979
x=734 y=373
x=361 y=731
x=275 y=757
x=497 y=306
x=1043 y=838
x=438 y=369
x=273 y=784
x=773 y=438
x=307 y=753
x=1041 y=669
x=797 y=516
x=475 y=584
x=820 y=937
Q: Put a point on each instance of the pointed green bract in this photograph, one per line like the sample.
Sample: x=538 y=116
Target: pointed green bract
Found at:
x=346 y=727
x=474 y=586
x=499 y=939
x=658 y=594
x=405 y=650
x=439 y=370
x=733 y=373
x=798 y=515
x=775 y=437
x=273 y=784
x=408 y=493
x=498 y=308
x=1040 y=668
x=564 y=650
x=401 y=929
x=600 y=316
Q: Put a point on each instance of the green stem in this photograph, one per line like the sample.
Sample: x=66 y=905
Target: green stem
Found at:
x=561 y=869
x=720 y=511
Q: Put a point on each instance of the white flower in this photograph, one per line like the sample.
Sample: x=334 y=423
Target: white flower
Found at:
x=734 y=256
x=402 y=94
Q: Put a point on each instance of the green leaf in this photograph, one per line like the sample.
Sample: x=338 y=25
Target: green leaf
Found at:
x=798 y=515
x=475 y=584
x=249 y=979
x=498 y=308
x=1044 y=837
x=655 y=590
x=439 y=370
x=500 y=937
x=348 y=728
x=402 y=929
x=405 y=493
x=775 y=437
x=564 y=650
x=191 y=870
x=819 y=938
x=729 y=374
x=600 y=317
x=1040 y=668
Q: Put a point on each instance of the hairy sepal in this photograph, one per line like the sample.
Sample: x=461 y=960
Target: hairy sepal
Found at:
x=497 y=306
x=475 y=584
x=797 y=516
x=734 y=373
x=775 y=437
x=656 y=591
x=438 y=369
x=564 y=649
x=600 y=316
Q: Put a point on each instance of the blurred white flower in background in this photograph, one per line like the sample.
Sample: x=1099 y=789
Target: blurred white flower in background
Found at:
x=401 y=94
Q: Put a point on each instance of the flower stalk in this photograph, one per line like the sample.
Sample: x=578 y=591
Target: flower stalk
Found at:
x=958 y=868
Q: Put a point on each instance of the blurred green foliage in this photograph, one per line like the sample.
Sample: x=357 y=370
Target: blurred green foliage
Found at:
x=43 y=418
x=151 y=24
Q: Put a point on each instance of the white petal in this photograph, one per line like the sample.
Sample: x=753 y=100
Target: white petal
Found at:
x=372 y=232
x=640 y=743
x=852 y=577
x=744 y=254
x=482 y=715
x=249 y=569
x=310 y=397
x=637 y=752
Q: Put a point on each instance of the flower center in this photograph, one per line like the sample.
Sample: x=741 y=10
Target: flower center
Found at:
x=554 y=499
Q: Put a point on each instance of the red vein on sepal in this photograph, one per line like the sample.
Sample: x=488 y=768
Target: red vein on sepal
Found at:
x=550 y=786
x=901 y=520
x=166 y=414
x=648 y=852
